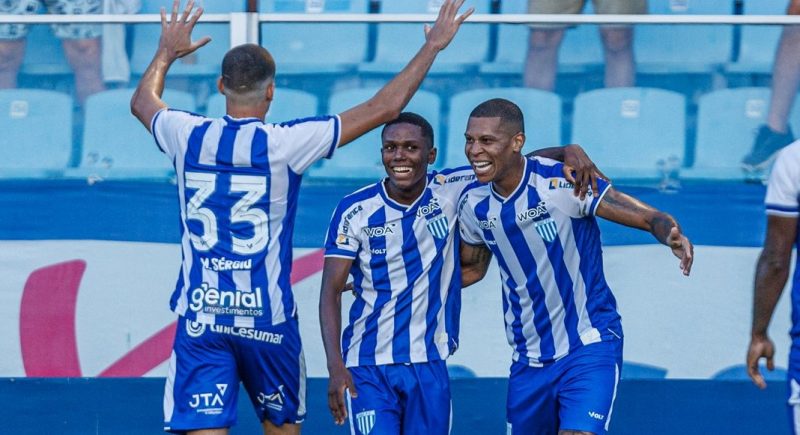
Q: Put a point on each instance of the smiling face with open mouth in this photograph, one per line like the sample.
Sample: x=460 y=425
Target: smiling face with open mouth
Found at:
x=406 y=154
x=493 y=151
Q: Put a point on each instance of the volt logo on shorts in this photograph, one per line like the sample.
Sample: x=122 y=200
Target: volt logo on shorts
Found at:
x=365 y=421
x=596 y=416
x=272 y=401
x=209 y=403
x=209 y=300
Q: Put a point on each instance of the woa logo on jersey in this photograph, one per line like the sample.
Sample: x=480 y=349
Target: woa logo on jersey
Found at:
x=544 y=224
x=226 y=302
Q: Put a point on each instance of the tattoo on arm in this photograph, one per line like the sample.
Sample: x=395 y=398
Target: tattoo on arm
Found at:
x=478 y=255
x=661 y=224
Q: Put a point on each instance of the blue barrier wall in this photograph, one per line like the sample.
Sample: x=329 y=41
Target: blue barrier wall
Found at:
x=83 y=406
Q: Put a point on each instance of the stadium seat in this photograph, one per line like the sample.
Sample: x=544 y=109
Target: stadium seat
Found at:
x=580 y=50
x=303 y=48
x=398 y=43
x=627 y=131
x=288 y=104
x=116 y=145
x=758 y=44
x=44 y=54
x=205 y=61
x=739 y=373
x=727 y=123
x=361 y=159
x=542 y=112
x=37 y=132
x=632 y=370
x=684 y=48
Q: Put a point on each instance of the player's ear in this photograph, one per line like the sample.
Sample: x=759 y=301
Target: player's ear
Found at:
x=518 y=141
x=270 y=91
x=220 y=86
x=432 y=155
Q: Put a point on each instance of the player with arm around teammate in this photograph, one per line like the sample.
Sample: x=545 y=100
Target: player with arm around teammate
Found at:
x=238 y=180
x=398 y=239
x=772 y=273
x=561 y=317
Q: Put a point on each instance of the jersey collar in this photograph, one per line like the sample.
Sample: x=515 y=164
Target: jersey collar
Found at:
x=396 y=205
x=241 y=121
x=517 y=190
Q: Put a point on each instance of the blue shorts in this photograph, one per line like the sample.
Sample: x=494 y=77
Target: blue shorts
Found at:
x=209 y=361
x=574 y=393
x=400 y=399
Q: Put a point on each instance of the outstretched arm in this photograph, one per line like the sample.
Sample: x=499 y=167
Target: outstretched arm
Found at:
x=334 y=276
x=175 y=42
x=626 y=210
x=475 y=261
x=387 y=104
x=579 y=169
x=772 y=272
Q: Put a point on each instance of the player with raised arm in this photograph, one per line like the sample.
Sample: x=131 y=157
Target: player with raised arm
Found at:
x=561 y=317
x=238 y=180
x=398 y=238
x=772 y=273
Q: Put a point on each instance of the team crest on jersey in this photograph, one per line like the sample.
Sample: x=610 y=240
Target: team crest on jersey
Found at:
x=547 y=229
x=438 y=226
x=365 y=421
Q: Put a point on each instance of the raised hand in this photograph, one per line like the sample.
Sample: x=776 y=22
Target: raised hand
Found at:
x=583 y=171
x=681 y=248
x=176 y=34
x=447 y=24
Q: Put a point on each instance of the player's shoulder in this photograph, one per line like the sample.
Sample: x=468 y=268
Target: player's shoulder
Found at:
x=364 y=195
x=546 y=168
x=299 y=123
x=790 y=152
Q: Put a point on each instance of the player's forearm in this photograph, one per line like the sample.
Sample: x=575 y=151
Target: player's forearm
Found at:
x=471 y=275
x=146 y=100
x=772 y=272
x=330 y=317
x=555 y=153
x=660 y=225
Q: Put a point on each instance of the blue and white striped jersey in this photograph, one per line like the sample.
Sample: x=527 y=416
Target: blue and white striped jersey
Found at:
x=238 y=181
x=547 y=243
x=783 y=199
x=406 y=271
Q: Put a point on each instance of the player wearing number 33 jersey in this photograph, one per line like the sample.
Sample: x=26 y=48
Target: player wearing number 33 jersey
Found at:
x=238 y=181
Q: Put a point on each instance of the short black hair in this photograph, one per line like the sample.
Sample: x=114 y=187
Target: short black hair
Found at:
x=246 y=66
x=509 y=113
x=413 y=119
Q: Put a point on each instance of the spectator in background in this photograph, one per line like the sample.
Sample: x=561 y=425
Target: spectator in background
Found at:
x=776 y=134
x=772 y=272
x=545 y=40
x=81 y=42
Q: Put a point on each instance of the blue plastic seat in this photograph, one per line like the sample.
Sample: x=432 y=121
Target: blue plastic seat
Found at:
x=116 y=144
x=287 y=104
x=684 y=48
x=727 y=123
x=361 y=159
x=43 y=53
x=581 y=48
x=631 y=370
x=37 y=132
x=627 y=131
x=739 y=373
x=758 y=44
x=541 y=109
x=204 y=62
x=303 y=48
x=398 y=43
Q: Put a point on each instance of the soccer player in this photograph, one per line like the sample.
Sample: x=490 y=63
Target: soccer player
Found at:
x=772 y=272
x=561 y=318
x=238 y=181
x=398 y=239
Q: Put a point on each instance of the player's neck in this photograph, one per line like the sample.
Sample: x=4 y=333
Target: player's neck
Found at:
x=511 y=177
x=237 y=111
x=405 y=196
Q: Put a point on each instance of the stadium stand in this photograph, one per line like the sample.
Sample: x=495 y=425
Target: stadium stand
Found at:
x=670 y=49
x=542 y=112
x=288 y=104
x=361 y=159
x=37 y=132
x=757 y=44
x=581 y=49
x=727 y=123
x=115 y=145
x=396 y=43
x=204 y=62
x=627 y=131
x=44 y=55
x=739 y=373
x=301 y=48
